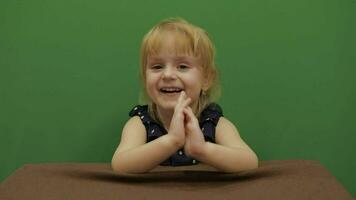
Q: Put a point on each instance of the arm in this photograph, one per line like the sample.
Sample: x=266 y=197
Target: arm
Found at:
x=134 y=155
x=229 y=154
x=237 y=155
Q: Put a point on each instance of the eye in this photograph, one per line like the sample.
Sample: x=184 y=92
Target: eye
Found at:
x=183 y=67
x=156 y=67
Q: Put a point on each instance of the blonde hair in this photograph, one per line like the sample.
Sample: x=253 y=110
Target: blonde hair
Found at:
x=191 y=40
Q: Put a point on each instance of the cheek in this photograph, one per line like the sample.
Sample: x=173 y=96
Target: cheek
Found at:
x=151 y=83
x=148 y=79
x=195 y=81
x=194 y=88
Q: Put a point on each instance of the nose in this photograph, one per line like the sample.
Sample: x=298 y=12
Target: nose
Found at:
x=169 y=73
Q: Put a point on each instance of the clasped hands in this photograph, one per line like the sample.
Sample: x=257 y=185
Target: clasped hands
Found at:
x=185 y=129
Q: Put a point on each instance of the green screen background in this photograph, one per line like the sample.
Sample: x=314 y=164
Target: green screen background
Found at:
x=69 y=76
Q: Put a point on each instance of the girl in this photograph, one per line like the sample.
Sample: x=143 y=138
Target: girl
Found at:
x=180 y=125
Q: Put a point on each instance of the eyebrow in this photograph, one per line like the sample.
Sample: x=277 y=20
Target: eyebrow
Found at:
x=189 y=59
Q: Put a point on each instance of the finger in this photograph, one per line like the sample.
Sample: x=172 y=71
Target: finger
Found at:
x=191 y=121
x=188 y=113
x=181 y=96
x=180 y=99
x=186 y=102
x=183 y=101
x=183 y=93
x=191 y=114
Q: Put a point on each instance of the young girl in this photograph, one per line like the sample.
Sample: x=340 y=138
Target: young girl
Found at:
x=180 y=125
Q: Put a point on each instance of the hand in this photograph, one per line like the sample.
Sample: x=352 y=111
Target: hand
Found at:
x=194 y=138
x=176 y=128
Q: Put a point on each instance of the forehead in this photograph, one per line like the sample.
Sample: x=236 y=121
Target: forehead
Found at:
x=171 y=42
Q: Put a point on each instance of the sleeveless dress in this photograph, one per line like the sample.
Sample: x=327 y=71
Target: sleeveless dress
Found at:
x=208 y=120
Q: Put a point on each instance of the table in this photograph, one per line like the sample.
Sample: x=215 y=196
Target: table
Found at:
x=279 y=179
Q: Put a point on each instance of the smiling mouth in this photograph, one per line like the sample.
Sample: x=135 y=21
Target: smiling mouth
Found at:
x=170 y=90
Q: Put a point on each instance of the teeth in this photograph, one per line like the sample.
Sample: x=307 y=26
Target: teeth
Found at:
x=171 y=89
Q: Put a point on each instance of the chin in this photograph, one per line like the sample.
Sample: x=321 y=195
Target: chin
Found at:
x=168 y=105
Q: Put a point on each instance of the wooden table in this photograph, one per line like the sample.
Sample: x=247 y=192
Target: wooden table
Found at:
x=289 y=179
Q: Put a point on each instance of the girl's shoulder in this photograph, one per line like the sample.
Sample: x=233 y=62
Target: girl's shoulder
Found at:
x=138 y=110
x=141 y=111
x=214 y=107
x=212 y=113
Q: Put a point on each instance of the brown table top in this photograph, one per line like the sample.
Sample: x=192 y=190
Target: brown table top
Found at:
x=288 y=179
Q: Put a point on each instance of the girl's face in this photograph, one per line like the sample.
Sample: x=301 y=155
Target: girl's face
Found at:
x=168 y=73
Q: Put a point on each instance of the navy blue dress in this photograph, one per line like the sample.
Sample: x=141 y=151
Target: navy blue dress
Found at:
x=208 y=120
